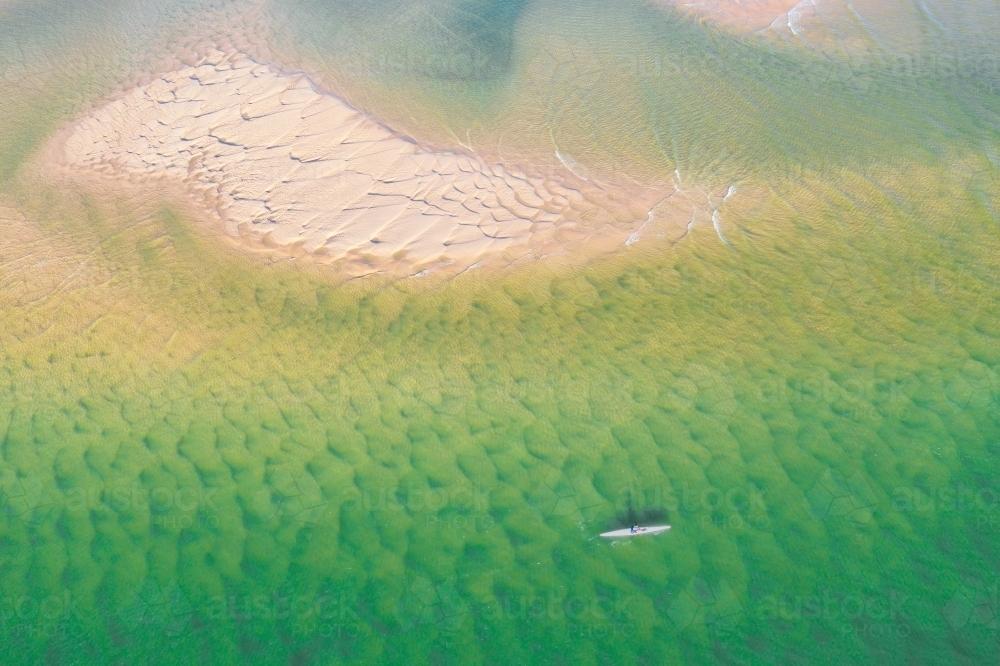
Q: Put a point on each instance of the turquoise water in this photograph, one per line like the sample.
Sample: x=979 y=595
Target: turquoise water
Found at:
x=209 y=458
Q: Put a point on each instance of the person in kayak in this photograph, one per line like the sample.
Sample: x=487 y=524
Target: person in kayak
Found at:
x=634 y=529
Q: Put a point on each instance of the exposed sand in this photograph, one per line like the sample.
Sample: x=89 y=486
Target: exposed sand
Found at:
x=284 y=164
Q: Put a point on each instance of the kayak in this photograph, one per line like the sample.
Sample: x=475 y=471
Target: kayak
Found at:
x=640 y=531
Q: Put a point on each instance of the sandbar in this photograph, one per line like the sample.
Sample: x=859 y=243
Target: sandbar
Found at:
x=282 y=163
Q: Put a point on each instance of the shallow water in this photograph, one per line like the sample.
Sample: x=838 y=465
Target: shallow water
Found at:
x=210 y=457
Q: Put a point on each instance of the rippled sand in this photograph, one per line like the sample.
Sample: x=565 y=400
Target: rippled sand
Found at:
x=211 y=458
x=286 y=165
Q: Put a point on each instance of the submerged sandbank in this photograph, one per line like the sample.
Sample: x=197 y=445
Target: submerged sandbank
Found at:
x=855 y=27
x=746 y=15
x=284 y=164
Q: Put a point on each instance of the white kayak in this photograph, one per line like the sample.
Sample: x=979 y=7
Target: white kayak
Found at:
x=639 y=531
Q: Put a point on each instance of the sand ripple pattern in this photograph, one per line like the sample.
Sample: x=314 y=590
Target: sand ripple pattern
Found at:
x=287 y=165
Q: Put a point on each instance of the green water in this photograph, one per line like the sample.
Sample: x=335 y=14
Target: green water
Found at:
x=207 y=458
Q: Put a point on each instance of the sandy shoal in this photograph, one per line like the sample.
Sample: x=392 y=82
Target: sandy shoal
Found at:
x=858 y=27
x=284 y=164
x=740 y=15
